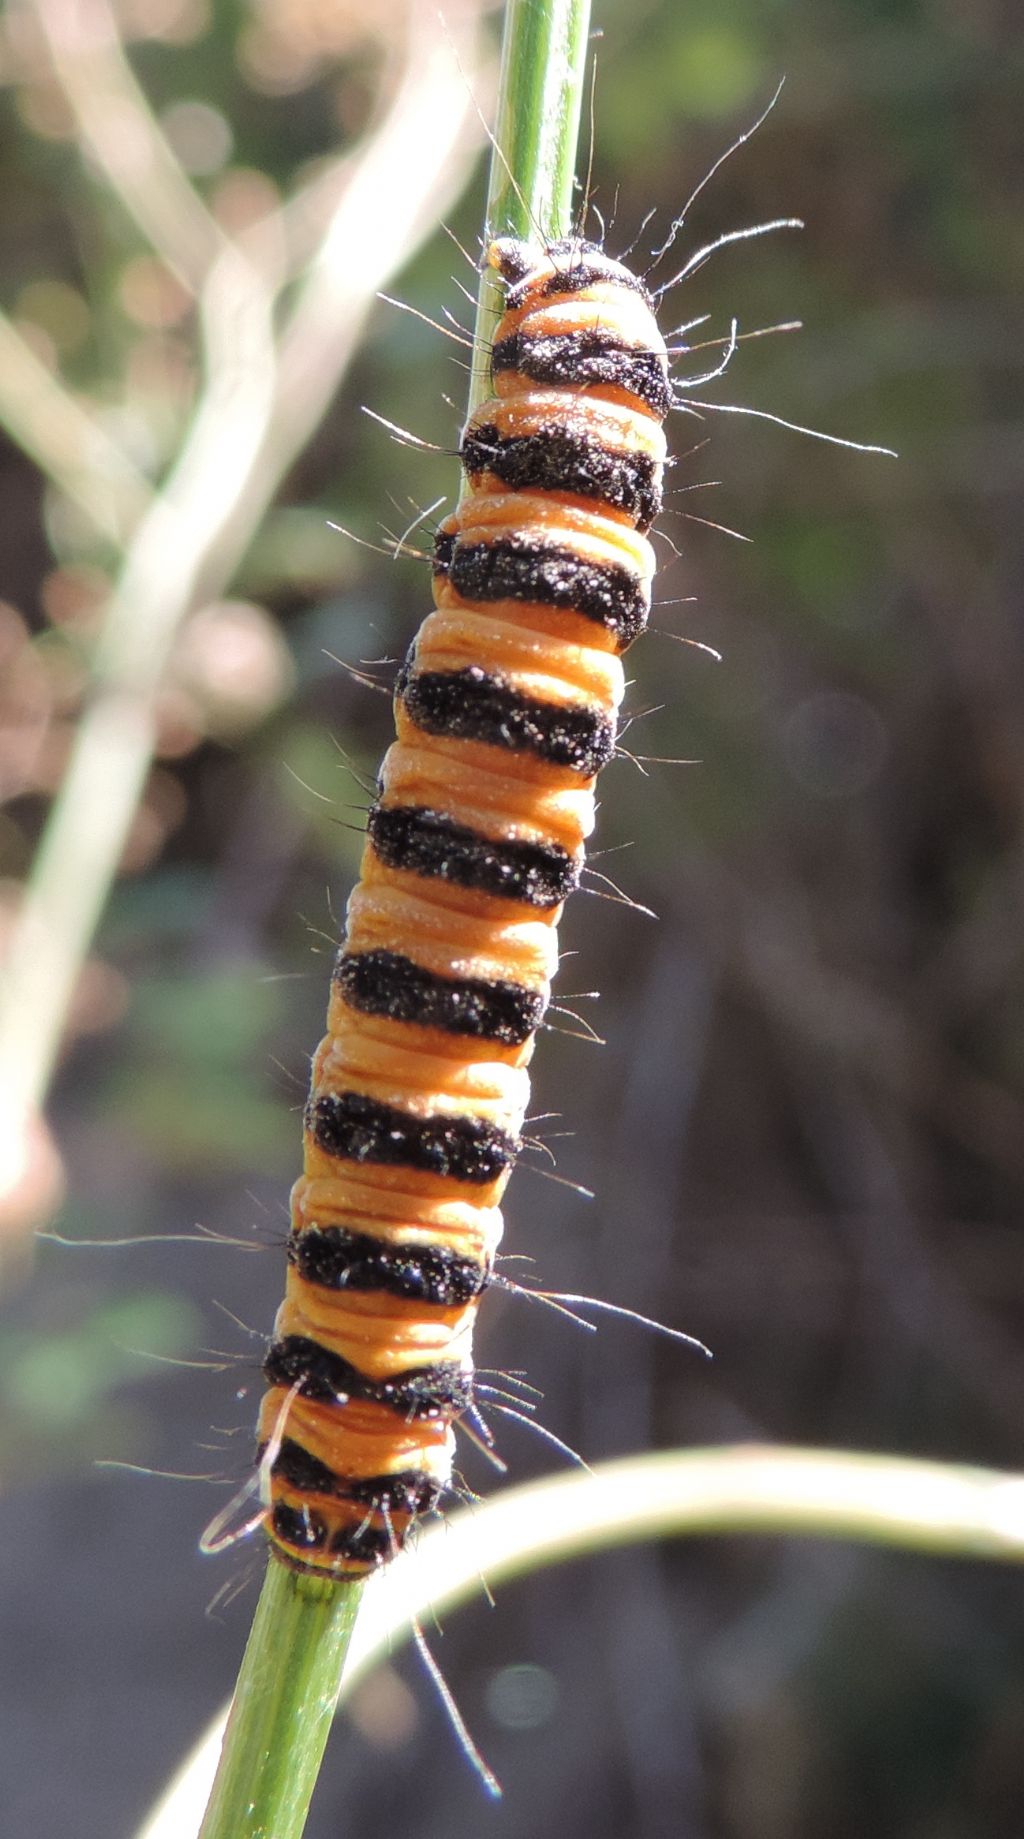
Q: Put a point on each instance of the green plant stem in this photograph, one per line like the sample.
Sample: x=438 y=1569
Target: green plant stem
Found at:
x=533 y=160
x=291 y=1671
x=278 y=1725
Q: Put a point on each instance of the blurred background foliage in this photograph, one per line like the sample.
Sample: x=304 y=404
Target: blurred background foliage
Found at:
x=806 y=1133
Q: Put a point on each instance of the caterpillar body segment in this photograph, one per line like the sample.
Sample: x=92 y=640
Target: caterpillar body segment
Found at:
x=505 y=709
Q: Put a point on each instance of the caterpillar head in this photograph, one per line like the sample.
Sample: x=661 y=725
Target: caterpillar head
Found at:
x=513 y=258
x=568 y=264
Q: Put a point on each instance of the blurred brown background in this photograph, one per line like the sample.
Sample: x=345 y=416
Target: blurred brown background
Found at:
x=806 y=1131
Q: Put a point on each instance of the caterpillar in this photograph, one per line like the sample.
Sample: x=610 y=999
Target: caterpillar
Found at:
x=505 y=712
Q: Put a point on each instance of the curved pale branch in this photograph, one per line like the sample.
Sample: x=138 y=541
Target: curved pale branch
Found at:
x=74 y=451
x=124 y=138
x=930 y=1507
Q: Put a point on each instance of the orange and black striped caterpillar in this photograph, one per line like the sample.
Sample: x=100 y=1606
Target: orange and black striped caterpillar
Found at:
x=505 y=712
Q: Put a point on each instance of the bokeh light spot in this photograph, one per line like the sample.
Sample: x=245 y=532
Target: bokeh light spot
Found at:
x=522 y=1697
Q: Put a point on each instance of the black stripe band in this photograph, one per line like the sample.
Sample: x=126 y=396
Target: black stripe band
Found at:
x=418 y=1392
x=555 y=459
x=512 y=568
x=365 y=1543
x=384 y=983
x=359 y=1129
x=444 y=550
x=587 y=357
x=407 y=1491
x=469 y=705
x=335 y=1258
x=299 y=1527
x=426 y=842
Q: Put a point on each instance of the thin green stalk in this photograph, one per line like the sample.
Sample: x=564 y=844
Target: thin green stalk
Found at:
x=283 y=1706
x=291 y=1671
x=533 y=162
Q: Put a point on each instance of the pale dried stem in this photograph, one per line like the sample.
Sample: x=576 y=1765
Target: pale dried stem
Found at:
x=119 y=130
x=66 y=443
x=261 y=400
